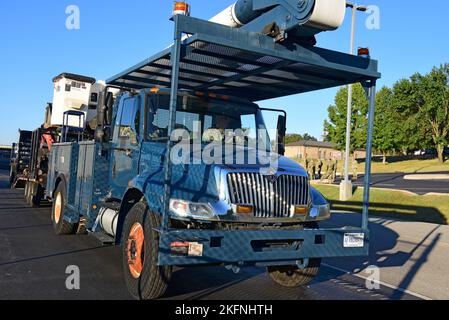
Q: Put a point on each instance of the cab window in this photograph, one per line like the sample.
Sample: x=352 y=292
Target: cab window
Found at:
x=130 y=120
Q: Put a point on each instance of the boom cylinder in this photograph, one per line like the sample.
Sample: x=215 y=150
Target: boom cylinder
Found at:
x=290 y=15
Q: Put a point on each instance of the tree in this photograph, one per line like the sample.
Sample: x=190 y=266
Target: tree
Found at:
x=292 y=138
x=410 y=135
x=423 y=102
x=434 y=105
x=308 y=137
x=385 y=125
x=336 y=126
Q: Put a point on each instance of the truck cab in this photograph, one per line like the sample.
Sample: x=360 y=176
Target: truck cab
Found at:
x=218 y=139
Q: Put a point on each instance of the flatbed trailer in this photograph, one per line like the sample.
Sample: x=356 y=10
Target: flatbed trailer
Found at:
x=102 y=185
x=20 y=164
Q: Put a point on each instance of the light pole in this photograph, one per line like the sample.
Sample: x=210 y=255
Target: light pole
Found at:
x=346 y=184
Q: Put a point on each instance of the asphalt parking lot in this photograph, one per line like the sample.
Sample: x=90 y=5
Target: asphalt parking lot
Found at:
x=33 y=264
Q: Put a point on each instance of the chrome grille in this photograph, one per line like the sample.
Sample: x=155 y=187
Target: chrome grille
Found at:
x=271 y=198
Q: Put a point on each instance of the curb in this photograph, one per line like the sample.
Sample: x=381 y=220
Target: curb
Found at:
x=426 y=177
x=393 y=190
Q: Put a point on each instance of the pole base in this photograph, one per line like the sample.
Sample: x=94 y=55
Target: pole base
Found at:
x=346 y=191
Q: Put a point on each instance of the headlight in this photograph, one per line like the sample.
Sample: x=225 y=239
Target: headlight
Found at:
x=321 y=212
x=187 y=209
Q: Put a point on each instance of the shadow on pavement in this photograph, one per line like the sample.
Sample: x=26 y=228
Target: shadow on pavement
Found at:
x=49 y=256
x=384 y=241
x=415 y=213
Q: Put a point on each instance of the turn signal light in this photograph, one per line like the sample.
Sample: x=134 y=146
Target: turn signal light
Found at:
x=242 y=209
x=182 y=8
x=300 y=211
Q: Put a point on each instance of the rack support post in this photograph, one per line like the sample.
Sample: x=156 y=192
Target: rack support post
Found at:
x=369 y=153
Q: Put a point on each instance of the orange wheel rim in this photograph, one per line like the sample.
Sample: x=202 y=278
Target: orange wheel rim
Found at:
x=136 y=250
x=58 y=207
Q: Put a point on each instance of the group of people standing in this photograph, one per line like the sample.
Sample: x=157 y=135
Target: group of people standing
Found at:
x=322 y=170
x=325 y=170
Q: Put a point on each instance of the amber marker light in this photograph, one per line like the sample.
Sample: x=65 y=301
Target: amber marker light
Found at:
x=300 y=210
x=244 y=209
x=181 y=8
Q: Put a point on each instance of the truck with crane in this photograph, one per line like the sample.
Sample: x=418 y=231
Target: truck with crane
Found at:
x=181 y=170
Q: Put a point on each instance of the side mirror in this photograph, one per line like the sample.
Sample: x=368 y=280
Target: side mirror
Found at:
x=281 y=132
x=109 y=103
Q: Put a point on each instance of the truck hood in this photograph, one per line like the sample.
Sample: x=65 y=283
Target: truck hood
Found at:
x=199 y=181
x=260 y=160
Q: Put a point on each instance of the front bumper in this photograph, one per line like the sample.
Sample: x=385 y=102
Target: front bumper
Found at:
x=244 y=247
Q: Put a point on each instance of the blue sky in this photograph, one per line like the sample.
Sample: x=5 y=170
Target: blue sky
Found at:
x=36 y=46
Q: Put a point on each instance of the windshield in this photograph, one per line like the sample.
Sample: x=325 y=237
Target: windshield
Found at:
x=208 y=120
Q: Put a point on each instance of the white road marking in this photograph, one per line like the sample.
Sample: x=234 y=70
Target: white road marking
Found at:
x=417 y=295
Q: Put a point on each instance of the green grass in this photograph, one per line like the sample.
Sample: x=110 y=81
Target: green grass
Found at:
x=393 y=204
x=409 y=166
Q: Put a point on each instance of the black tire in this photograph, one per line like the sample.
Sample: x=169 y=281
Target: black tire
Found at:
x=36 y=201
x=12 y=180
x=36 y=198
x=25 y=195
x=33 y=198
x=29 y=193
x=61 y=226
x=292 y=276
x=152 y=283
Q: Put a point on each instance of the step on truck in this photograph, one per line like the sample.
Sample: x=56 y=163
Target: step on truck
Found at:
x=183 y=170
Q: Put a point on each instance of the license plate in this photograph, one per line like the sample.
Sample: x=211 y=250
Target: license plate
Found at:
x=354 y=240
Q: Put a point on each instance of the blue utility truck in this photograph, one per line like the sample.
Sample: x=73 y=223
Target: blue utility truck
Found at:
x=130 y=186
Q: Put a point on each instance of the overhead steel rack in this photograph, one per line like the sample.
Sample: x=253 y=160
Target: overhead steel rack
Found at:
x=244 y=64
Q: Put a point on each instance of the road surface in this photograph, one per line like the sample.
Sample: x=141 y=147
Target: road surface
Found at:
x=33 y=263
x=397 y=181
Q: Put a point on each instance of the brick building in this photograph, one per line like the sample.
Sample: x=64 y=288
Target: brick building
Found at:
x=317 y=150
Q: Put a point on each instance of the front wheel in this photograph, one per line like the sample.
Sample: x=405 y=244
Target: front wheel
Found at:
x=292 y=276
x=144 y=278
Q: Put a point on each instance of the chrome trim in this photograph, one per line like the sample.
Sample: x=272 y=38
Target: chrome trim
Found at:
x=302 y=195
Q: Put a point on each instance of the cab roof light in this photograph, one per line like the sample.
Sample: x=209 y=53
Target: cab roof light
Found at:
x=181 y=8
x=363 y=52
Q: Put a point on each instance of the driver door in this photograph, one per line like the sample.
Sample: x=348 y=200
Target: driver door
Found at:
x=126 y=146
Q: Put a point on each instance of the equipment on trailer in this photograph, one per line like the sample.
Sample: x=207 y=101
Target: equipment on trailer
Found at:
x=71 y=117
